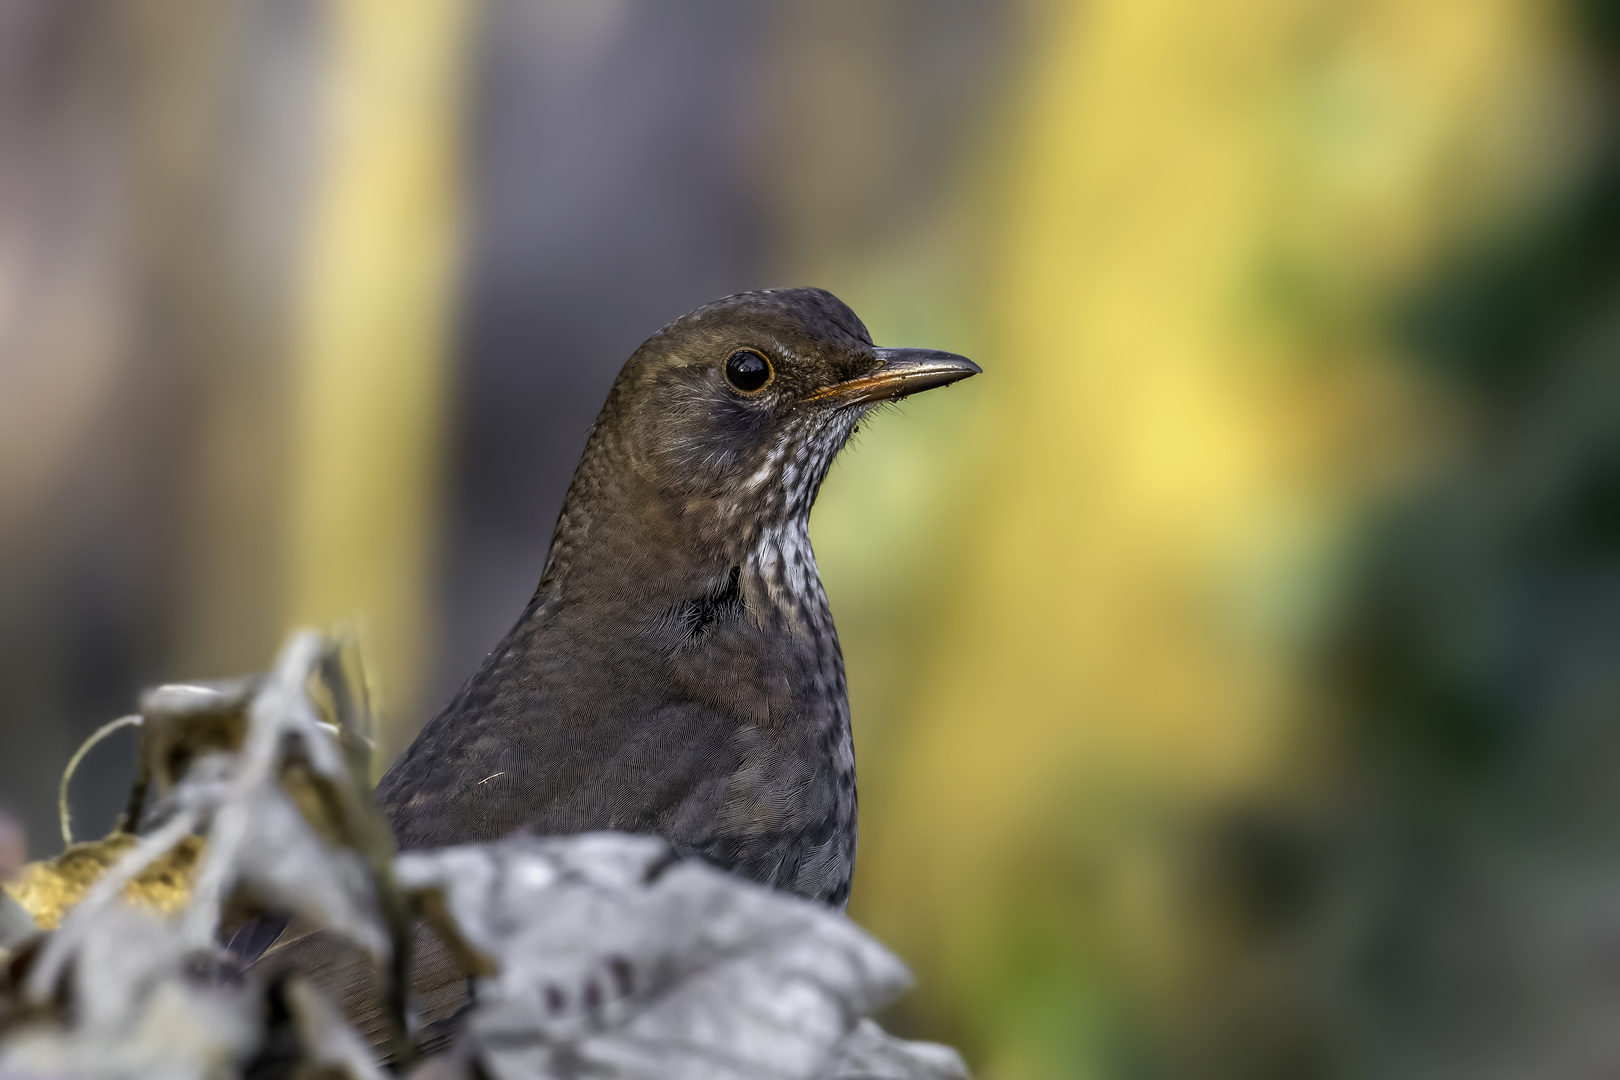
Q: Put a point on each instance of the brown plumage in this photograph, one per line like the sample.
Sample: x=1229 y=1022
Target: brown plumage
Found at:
x=677 y=671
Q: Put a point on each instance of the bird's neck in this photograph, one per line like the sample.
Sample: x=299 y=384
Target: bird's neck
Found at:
x=693 y=596
x=643 y=548
x=783 y=565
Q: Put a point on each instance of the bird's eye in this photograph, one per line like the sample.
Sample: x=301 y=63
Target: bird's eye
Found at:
x=747 y=370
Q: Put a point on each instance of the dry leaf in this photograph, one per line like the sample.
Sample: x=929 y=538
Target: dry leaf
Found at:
x=51 y=887
x=870 y=1053
x=617 y=963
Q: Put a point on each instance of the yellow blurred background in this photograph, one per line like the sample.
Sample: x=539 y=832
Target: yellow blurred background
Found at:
x=1229 y=663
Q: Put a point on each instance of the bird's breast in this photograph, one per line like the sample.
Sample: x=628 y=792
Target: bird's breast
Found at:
x=783 y=565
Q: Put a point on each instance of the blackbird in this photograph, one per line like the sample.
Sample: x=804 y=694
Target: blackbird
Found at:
x=677 y=671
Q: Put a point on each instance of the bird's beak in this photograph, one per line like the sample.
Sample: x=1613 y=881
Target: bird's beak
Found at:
x=900 y=373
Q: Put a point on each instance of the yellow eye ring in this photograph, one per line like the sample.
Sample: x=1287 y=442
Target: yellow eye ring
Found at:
x=748 y=371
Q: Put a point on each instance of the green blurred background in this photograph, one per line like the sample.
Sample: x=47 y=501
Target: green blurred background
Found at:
x=1235 y=665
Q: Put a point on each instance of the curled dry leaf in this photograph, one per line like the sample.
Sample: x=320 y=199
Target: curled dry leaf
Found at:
x=116 y=992
x=139 y=1010
x=617 y=962
x=260 y=839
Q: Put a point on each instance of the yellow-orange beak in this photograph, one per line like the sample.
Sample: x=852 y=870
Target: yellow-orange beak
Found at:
x=902 y=372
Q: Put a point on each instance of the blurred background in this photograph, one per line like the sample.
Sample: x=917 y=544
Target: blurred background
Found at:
x=1235 y=665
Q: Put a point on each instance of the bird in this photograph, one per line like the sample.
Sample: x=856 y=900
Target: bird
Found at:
x=677 y=670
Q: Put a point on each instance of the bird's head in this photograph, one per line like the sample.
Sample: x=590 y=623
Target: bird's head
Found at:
x=721 y=427
x=745 y=401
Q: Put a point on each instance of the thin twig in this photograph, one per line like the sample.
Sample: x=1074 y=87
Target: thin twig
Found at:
x=62 y=810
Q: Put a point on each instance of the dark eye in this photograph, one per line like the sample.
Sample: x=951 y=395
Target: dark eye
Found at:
x=747 y=370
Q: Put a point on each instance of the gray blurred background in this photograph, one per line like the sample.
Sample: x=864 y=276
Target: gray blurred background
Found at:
x=625 y=162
